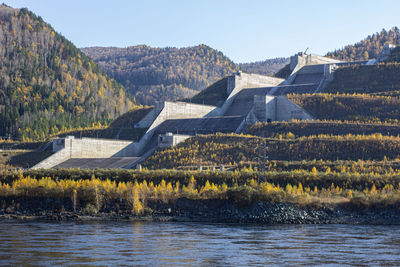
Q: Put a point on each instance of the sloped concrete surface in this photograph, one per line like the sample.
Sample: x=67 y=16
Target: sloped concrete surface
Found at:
x=296 y=88
x=227 y=124
x=243 y=102
x=93 y=163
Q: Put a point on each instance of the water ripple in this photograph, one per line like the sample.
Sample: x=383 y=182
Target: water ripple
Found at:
x=188 y=244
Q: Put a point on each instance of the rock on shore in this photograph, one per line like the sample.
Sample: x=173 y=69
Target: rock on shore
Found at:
x=223 y=211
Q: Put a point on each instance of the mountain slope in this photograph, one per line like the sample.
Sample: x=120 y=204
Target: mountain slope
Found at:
x=381 y=79
x=368 y=48
x=47 y=84
x=266 y=67
x=157 y=74
x=214 y=95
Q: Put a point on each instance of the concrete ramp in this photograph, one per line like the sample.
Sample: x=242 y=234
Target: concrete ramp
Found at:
x=179 y=110
x=98 y=163
x=228 y=124
x=244 y=100
x=311 y=69
x=307 y=79
x=312 y=78
x=312 y=74
x=151 y=145
x=295 y=88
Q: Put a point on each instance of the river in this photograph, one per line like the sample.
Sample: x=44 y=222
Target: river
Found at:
x=194 y=244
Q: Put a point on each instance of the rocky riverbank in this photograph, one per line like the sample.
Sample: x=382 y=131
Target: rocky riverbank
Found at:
x=223 y=211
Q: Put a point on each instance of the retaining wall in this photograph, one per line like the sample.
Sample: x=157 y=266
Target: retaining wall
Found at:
x=276 y=108
x=238 y=82
x=86 y=148
x=180 y=110
x=287 y=110
x=300 y=60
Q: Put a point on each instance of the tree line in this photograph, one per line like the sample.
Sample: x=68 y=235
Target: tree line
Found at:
x=157 y=74
x=47 y=84
x=369 y=48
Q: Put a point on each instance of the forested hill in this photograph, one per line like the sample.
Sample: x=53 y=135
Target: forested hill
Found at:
x=157 y=74
x=48 y=85
x=369 y=48
x=266 y=67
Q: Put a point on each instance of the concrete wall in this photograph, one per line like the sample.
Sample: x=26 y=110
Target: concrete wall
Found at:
x=265 y=107
x=245 y=80
x=55 y=159
x=85 y=148
x=169 y=139
x=329 y=69
x=271 y=108
x=94 y=148
x=180 y=110
x=300 y=60
x=276 y=108
x=58 y=144
x=239 y=81
x=287 y=110
x=148 y=119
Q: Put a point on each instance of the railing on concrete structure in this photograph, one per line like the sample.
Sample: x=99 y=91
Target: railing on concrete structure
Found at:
x=208 y=167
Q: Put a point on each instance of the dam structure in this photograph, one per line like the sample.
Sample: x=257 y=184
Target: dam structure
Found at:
x=251 y=98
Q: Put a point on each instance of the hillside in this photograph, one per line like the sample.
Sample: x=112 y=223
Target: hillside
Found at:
x=294 y=129
x=345 y=107
x=266 y=67
x=369 y=48
x=232 y=149
x=383 y=78
x=158 y=74
x=47 y=84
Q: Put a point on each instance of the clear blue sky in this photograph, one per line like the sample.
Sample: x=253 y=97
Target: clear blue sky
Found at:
x=245 y=31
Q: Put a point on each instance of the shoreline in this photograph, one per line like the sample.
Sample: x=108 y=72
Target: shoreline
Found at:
x=208 y=211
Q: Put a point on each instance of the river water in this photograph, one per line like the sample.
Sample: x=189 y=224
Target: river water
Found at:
x=194 y=244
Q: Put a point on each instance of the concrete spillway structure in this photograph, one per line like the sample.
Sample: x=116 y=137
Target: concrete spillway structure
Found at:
x=251 y=98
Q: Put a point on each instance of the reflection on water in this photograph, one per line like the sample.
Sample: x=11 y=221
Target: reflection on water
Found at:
x=196 y=244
